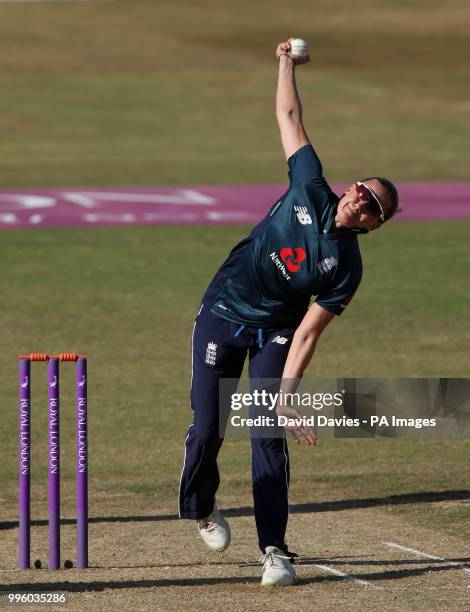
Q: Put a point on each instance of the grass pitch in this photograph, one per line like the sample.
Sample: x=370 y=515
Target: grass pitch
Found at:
x=127 y=298
x=144 y=92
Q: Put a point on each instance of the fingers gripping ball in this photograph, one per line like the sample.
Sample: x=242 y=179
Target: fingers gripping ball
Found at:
x=299 y=48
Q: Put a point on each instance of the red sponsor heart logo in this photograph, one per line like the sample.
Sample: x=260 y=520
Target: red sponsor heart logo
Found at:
x=292 y=258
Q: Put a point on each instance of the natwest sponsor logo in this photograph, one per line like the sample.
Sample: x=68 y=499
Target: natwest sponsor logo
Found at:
x=292 y=258
x=278 y=263
x=288 y=260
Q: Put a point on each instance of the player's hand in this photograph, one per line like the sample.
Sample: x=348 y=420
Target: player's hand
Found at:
x=301 y=433
x=283 y=48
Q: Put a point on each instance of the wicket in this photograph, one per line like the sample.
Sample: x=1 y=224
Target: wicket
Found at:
x=53 y=457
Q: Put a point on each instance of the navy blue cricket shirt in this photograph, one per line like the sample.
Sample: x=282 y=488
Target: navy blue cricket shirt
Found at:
x=293 y=254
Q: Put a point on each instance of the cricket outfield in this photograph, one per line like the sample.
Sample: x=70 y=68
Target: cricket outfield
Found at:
x=142 y=94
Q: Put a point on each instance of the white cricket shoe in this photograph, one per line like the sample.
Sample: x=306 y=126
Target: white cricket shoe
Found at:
x=277 y=568
x=215 y=531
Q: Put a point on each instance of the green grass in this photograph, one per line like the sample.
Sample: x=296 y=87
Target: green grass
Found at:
x=146 y=92
x=127 y=298
x=149 y=92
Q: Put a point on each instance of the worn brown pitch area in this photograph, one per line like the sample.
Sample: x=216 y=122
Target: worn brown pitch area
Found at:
x=159 y=563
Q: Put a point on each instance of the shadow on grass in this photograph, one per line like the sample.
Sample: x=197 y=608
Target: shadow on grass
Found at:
x=101 y=585
x=464 y=561
x=329 y=506
x=386 y=575
x=343 y=560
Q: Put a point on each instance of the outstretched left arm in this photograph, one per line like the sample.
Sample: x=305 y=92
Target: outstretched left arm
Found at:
x=300 y=353
x=305 y=340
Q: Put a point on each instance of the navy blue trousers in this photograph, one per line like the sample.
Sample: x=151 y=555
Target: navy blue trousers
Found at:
x=218 y=352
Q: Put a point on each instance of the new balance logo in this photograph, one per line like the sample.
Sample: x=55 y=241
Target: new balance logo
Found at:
x=303 y=215
x=211 y=353
x=280 y=340
x=327 y=264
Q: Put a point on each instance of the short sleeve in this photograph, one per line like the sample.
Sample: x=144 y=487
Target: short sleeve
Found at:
x=335 y=302
x=336 y=298
x=305 y=166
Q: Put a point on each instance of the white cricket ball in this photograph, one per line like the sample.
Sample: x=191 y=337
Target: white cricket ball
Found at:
x=299 y=47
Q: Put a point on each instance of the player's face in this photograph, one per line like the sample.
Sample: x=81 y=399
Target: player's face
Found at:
x=362 y=206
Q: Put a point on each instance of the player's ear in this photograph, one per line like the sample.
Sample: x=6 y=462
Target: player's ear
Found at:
x=375 y=226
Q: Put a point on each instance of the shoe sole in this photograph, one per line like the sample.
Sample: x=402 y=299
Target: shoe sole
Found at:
x=217 y=549
x=271 y=584
x=221 y=549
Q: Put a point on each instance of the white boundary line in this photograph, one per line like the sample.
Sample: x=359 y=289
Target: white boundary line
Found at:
x=336 y=572
x=426 y=555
